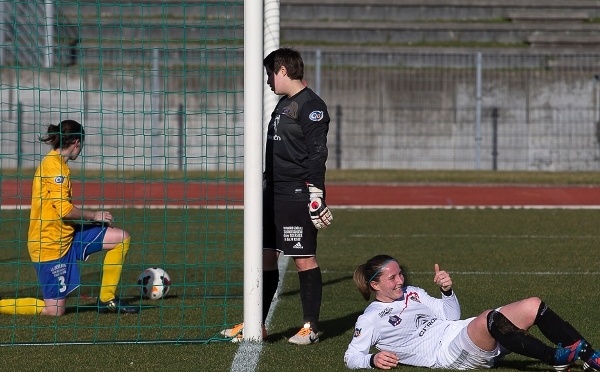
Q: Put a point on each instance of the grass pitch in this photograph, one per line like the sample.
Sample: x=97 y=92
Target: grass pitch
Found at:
x=494 y=256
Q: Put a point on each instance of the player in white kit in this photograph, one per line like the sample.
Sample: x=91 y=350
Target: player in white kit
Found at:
x=408 y=326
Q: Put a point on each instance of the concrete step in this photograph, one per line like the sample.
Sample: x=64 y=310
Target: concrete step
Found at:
x=131 y=11
x=162 y=22
x=354 y=32
x=194 y=30
x=154 y=35
x=547 y=16
x=418 y=10
x=173 y=55
x=590 y=40
x=161 y=31
x=200 y=58
x=398 y=10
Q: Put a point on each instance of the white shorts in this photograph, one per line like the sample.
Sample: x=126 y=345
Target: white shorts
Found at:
x=457 y=351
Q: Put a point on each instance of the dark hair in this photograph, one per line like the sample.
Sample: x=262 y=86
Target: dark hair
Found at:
x=288 y=58
x=64 y=134
x=370 y=272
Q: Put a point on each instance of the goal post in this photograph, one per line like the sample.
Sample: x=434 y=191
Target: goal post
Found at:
x=259 y=19
x=253 y=166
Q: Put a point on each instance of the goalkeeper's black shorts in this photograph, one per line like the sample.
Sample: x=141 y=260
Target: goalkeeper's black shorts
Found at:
x=287 y=227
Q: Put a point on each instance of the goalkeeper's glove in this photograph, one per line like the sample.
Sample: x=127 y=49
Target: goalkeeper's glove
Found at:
x=319 y=212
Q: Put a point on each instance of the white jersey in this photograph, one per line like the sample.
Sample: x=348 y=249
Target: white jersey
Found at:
x=413 y=327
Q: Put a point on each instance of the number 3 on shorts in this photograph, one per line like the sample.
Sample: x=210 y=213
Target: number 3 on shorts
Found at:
x=62 y=285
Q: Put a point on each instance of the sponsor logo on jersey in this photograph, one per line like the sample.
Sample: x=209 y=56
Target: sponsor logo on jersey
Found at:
x=427 y=326
x=59 y=179
x=357 y=332
x=276 y=122
x=293 y=234
x=316 y=115
x=59 y=270
x=394 y=320
x=274 y=138
x=385 y=312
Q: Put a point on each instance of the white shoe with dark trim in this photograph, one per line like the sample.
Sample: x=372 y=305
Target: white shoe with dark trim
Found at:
x=305 y=336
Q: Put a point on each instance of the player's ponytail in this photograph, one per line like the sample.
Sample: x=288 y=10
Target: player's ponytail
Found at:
x=361 y=282
x=64 y=134
x=370 y=272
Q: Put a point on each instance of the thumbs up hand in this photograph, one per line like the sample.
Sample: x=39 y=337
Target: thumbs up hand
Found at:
x=442 y=278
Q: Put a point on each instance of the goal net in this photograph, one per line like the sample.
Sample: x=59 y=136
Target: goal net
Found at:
x=158 y=87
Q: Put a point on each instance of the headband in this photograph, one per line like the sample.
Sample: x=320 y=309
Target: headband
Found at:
x=377 y=272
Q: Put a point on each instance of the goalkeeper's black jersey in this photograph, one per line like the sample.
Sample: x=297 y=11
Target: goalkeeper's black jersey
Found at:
x=296 y=149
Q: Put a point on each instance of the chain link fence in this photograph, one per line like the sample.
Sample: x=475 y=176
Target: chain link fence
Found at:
x=518 y=110
x=506 y=110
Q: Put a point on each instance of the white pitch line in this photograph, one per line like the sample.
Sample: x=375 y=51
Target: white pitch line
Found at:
x=460 y=207
x=477 y=236
x=248 y=354
x=593 y=273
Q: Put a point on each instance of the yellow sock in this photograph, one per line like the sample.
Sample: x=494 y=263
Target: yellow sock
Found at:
x=21 y=306
x=111 y=270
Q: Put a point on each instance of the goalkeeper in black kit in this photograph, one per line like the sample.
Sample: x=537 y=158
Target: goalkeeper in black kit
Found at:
x=294 y=206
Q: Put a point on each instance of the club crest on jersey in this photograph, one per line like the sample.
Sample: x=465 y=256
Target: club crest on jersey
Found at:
x=357 y=332
x=316 y=115
x=59 y=179
x=414 y=297
x=394 y=320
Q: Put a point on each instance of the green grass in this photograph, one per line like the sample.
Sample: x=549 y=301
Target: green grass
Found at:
x=494 y=256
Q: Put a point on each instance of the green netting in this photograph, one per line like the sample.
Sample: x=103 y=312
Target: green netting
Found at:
x=158 y=88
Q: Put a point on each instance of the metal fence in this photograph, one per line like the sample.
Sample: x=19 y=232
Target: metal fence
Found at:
x=506 y=110
x=406 y=109
x=36 y=33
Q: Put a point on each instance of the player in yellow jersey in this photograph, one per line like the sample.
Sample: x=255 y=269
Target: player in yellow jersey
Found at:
x=60 y=234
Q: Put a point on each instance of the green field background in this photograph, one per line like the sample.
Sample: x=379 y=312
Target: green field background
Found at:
x=495 y=256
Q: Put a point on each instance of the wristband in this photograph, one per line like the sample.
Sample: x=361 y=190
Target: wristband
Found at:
x=447 y=293
x=372 y=361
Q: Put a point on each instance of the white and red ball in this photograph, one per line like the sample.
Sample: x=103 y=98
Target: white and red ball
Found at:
x=154 y=283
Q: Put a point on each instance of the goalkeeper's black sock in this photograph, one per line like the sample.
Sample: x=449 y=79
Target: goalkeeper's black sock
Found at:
x=518 y=340
x=270 y=283
x=311 y=291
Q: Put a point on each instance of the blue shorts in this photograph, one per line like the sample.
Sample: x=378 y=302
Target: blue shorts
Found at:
x=58 y=278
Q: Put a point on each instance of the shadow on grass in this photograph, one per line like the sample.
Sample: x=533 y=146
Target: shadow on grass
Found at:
x=521 y=365
x=329 y=282
x=327 y=328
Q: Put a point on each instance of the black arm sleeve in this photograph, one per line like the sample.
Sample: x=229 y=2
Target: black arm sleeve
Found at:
x=314 y=120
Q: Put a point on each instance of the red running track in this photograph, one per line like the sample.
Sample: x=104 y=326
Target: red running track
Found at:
x=195 y=194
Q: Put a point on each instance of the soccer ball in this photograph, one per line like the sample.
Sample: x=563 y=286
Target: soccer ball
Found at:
x=154 y=283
